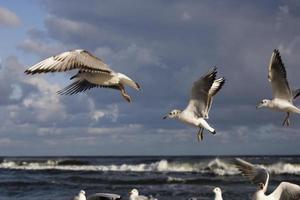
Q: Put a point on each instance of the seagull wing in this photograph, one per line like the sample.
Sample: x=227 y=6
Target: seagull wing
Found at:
x=76 y=59
x=278 y=78
x=200 y=98
x=141 y=197
x=254 y=173
x=82 y=86
x=286 y=191
x=104 y=196
x=215 y=88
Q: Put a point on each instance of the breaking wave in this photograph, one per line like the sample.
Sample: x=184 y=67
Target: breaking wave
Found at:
x=215 y=166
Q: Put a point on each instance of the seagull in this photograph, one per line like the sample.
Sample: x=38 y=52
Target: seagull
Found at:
x=92 y=72
x=80 y=196
x=283 y=95
x=197 y=111
x=134 y=195
x=260 y=176
x=218 y=193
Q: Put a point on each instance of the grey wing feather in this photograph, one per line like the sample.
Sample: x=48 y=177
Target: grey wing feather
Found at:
x=76 y=59
x=200 y=93
x=102 y=196
x=141 y=197
x=278 y=77
x=254 y=173
x=286 y=191
x=81 y=86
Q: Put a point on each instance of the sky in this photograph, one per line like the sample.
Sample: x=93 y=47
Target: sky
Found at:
x=165 y=46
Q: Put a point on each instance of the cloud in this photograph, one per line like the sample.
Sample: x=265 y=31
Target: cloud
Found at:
x=8 y=18
x=42 y=49
x=165 y=52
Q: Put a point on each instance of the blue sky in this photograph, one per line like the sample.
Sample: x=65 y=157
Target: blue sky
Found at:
x=163 y=45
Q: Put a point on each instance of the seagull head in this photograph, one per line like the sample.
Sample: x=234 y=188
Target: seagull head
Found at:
x=172 y=114
x=82 y=192
x=134 y=192
x=217 y=191
x=263 y=103
x=260 y=186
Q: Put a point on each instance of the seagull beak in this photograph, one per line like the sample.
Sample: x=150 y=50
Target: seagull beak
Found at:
x=165 y=117
x=258 y=106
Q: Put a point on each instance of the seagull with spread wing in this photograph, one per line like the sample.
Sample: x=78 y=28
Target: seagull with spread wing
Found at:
x=197 y=111
x=283 y=95
x=93 y=72
x=260 y=176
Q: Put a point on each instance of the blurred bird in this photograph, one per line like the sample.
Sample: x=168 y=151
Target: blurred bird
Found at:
x=134 y=195
x=80 y=196
x=218 y=193
x=260 y=176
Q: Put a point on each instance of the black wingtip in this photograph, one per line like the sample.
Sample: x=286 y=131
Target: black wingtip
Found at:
x=277 y=52
x=138 y=86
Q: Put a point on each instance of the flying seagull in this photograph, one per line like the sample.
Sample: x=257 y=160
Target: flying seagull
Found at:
x=134 y=195
x=283 y=95
x=260 y=176
x=197 y=111
x=218 y=193
x=80 y=196
x=92 y=72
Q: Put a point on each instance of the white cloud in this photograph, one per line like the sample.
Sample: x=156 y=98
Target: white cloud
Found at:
x=8 y=18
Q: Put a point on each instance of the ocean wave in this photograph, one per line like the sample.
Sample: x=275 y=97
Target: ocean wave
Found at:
x=215 y=166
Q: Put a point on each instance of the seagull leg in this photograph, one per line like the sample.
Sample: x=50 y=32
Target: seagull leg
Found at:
x=124 y=94
x=286 y=120
x=200 y=134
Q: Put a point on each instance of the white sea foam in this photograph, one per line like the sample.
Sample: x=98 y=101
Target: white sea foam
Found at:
x=214 y=166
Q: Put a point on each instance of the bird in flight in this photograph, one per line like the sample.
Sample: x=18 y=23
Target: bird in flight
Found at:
x=260 y=176
x=92 y=72
x=200 y=103
x=283 y=95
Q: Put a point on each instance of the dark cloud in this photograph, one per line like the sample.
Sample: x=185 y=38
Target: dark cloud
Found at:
x=164 y=46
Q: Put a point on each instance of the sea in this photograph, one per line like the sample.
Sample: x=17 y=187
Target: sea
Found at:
x=163 y=177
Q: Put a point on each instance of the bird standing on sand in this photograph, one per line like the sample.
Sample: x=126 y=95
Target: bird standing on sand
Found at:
x=283 y=95
x=93 y=72
x=197 y=111
x=218 y=193
x=260 y=176
x=80 y=196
